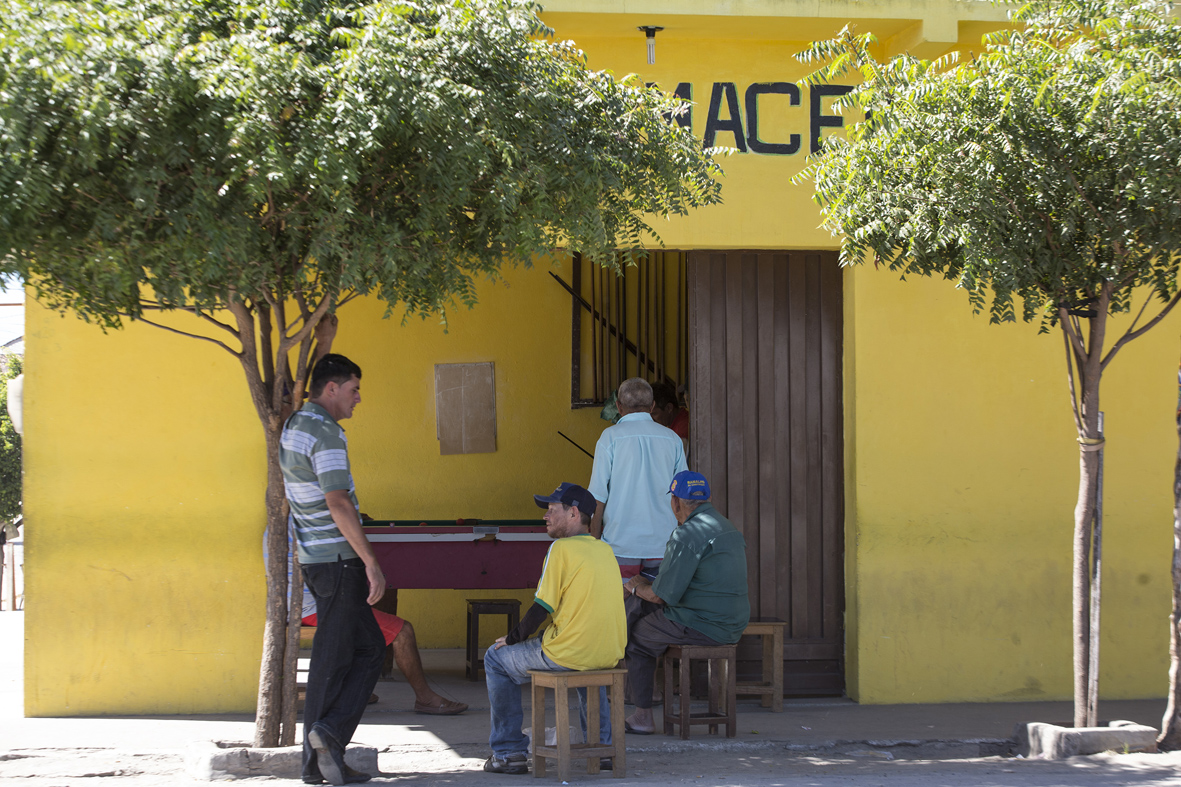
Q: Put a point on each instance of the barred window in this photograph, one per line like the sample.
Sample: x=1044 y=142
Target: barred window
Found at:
x=630 y=325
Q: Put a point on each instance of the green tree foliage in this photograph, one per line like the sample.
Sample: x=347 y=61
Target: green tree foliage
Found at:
x=259 y=163
x=1042 y=176
x=10 y=448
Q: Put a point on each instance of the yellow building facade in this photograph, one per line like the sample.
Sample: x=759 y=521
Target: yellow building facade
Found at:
x=144 y=460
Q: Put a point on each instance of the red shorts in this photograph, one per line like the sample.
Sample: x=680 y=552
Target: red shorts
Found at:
x=391 y=625
x=631 y=566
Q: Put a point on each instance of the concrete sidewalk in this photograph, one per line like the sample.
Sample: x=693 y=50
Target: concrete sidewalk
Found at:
x=962 y=730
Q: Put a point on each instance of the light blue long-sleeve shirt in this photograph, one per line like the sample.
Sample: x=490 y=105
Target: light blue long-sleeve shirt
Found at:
x=635 y=461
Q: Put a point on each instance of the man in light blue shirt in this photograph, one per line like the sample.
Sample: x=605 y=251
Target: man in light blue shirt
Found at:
x=635 y=460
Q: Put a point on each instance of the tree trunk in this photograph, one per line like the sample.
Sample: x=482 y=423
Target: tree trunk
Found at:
x=274 y=395
x=291 y=657
x=1084 y=513
x=1170 y=736
x=274 y=641
x=1088 y=354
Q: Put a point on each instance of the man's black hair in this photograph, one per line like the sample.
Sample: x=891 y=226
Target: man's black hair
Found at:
x=584 y=516
x=664 y=394
x=334 y=368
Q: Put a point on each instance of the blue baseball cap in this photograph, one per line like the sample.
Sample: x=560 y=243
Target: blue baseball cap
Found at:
x=569 y=495
x=688 y=485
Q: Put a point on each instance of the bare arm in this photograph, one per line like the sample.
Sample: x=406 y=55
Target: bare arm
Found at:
x=596 y=525
x=641 y=587
x=349 y=522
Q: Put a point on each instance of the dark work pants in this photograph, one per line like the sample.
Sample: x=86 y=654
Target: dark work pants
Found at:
x=649 y=633
x=347 y=653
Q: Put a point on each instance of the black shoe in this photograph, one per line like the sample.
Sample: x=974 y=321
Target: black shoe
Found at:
x=329 y=756
x=351 y=776
x=312 y=776
x=354 y=776
x=513 y=763
x=606 y=763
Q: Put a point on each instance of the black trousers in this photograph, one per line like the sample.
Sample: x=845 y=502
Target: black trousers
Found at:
x=347 y=653
x=649 y=633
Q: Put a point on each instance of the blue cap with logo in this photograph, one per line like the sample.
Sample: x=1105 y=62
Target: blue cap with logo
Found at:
x=688 y=485
x=569 y=495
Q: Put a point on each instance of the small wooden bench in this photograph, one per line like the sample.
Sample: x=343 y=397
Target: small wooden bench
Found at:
x=592 y=750
x=771 y=687
x=721 y=661
x=476 y=607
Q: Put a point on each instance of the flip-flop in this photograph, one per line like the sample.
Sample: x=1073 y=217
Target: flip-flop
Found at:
x=444 y=708
x=628 y=728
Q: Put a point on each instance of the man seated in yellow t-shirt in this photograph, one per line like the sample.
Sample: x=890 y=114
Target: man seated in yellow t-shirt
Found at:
x=579 y=588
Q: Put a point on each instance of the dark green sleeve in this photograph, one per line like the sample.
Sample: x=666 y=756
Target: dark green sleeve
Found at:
x=676 y=571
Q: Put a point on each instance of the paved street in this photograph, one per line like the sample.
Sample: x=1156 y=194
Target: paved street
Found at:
x=818 y=743
x=699 y=766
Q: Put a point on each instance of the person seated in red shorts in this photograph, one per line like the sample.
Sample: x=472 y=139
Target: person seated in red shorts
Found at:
x=400 y=634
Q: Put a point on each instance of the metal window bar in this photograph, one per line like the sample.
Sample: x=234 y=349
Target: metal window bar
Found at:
x=623 y=326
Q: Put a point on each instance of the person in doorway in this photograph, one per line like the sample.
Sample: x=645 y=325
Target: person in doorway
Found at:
x=634 y=461
x=698 y=598
x=668 y=411
x=339 y=568
x=579 y=588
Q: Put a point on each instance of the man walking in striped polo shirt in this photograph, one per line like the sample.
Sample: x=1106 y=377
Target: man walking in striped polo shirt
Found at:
x=339 y=568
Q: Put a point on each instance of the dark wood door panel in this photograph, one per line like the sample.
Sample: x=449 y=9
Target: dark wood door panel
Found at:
x=765 y=402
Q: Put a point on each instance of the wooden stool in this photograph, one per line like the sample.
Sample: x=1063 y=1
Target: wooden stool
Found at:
x=592 y=750
x=721 y=661
x=771 y=687
x=485 y=606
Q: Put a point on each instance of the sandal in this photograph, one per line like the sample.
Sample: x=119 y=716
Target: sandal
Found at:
x=444 y=708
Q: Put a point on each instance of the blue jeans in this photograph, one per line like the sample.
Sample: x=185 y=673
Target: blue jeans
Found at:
x=347 y=652
x=506 y=670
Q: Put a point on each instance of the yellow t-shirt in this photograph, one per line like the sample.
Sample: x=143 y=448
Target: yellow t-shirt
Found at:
x=581 y=588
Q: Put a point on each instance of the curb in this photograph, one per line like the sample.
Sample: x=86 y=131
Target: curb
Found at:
x=982 y=747
x=224 y=760
x=1059 y=741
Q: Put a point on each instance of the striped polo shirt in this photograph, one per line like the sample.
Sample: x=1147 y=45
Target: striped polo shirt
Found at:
x=314 y=455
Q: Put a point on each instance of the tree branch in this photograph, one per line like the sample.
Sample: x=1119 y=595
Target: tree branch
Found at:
x=304 y=311
x=1140 y=313
x=1073 y=333
x=1078 y=422
x=266 y=351
x=225 y=347
x=282 y=362
x=1129 y=335
x=209 y=319
x=309 y=324
x=1082 y=194
x=249 y=361
x=196 y=311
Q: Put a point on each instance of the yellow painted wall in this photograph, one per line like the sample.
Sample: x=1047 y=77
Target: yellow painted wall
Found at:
x=144 y=473
x=964 y=476
x=144 y=463
x=143 y=509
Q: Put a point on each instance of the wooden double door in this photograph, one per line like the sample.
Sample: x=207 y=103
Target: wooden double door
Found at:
x=765 y=401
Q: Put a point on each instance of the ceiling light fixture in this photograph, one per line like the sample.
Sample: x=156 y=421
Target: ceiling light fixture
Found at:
x=650 y=34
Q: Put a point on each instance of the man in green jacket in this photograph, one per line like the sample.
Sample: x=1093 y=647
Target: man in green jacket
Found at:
x=698 y=598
